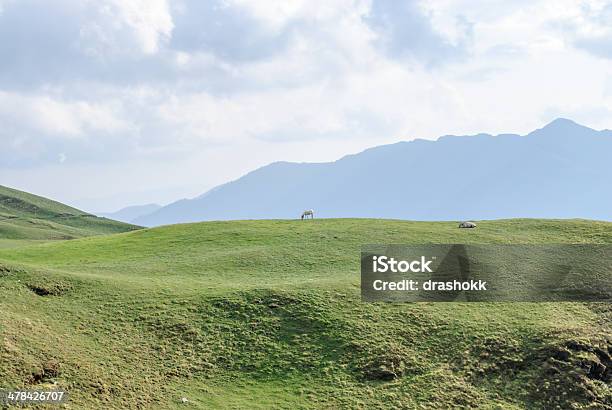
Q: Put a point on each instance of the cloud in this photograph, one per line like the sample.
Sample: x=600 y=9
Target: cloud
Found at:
x=588 y=26
x=67 y=41
x=182 y=74
x=225 y=30
x=35 y=128
x=113 y=26
x=69 y=119
x=227 y=85
x=405 y=30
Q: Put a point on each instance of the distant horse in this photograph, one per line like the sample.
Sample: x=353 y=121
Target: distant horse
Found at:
x=308 y=213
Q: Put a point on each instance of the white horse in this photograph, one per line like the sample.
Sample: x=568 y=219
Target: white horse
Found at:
x=308 y=213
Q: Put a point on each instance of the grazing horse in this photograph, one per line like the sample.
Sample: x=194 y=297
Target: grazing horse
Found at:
x=308 y=213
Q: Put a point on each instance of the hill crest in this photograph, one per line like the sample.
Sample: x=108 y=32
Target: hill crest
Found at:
x=25 y=216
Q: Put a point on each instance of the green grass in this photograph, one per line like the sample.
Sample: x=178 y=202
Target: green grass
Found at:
x=261 y=314
x=17 y=243
x=28 y=217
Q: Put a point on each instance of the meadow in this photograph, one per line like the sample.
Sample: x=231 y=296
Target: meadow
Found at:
x=267 y=314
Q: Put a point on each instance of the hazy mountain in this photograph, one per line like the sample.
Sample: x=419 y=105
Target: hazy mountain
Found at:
x=130 y=213
x=563 y=170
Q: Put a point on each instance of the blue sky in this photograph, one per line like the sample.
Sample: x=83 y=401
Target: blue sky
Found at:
x=109 y=103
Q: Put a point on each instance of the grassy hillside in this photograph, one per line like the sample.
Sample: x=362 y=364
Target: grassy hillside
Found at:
x=260 y=314
x=29 y=217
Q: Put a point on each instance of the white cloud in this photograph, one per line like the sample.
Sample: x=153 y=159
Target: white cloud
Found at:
x=587 y=26
x=126 y=26
x=59 y=119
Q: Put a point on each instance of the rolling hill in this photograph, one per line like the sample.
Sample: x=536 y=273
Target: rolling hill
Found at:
x=262 y=314
x=24 y=216
x=560 y=171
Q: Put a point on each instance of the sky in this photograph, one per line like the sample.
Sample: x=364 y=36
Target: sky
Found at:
x=109 y=103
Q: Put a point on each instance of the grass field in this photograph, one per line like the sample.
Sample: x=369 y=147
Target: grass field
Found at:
x=24 y=216
x=261 y=314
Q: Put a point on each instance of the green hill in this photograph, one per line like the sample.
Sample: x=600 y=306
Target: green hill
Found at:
x=261 y=314
x=25 y=216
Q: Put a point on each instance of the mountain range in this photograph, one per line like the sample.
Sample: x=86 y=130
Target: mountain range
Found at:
x=563 y=170
x=130 y=213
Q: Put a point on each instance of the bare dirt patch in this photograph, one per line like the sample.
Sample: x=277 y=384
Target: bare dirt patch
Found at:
x=49 y=289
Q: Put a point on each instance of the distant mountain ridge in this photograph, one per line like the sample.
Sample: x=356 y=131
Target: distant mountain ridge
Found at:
x=562 y=170
x=130 y=213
